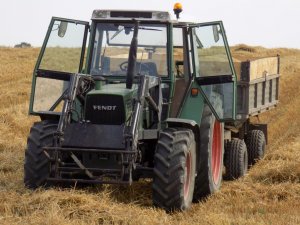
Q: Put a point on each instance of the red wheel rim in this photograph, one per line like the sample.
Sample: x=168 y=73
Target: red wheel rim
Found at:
x=187 y=175
x=216 y=153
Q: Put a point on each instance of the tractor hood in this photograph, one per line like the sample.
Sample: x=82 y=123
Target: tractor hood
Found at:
x=111 y=105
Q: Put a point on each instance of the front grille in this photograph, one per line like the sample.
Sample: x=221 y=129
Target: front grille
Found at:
x=105 y=109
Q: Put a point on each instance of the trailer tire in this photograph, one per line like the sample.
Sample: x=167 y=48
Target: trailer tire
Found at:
x=256 y=144
x=235 y=159
x=174 y=169
x=209 y=174
x=37 y=165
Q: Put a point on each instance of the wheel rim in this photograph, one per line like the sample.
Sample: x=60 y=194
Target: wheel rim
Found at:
x=216 y=154
x=187 y=176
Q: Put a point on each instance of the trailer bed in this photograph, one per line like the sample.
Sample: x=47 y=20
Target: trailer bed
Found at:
x=257 y=86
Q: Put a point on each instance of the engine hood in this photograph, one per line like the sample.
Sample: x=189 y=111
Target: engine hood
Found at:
x=111 y=105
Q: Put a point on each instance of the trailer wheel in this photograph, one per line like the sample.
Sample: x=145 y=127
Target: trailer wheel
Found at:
x=37 y=166
x=209 y=176
x=174 y=169
x=236 y=159
x=256 y=144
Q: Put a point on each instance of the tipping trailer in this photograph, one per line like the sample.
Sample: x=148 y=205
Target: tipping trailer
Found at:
x=147 y=97
x=258 y=86
x=257 y=92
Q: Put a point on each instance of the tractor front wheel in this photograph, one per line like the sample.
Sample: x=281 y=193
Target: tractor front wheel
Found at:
x=37 y=165
x=174 y=169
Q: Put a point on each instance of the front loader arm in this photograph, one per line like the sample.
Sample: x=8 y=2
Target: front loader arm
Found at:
x=132 y=131
x=74 y=91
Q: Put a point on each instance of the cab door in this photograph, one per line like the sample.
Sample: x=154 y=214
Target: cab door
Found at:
x=61 y=55
x=214 y=71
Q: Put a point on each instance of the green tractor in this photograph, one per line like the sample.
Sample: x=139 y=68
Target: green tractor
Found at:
x=147 y=97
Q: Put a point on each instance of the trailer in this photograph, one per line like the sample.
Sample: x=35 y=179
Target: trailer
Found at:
x=258 y=87
x=257 y=92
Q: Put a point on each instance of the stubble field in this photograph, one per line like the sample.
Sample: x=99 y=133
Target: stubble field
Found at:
x=268 y=194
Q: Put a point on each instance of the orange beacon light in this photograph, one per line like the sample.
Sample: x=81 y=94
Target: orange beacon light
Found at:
x=177 y=9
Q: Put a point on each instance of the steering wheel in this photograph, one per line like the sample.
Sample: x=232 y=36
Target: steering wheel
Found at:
x=140 y=66
x=124 y=66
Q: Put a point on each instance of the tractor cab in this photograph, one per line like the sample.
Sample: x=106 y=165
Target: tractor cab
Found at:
x=179 y=53
x=132 y=95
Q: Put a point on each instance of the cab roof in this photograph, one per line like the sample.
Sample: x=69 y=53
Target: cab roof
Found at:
x=161 y=16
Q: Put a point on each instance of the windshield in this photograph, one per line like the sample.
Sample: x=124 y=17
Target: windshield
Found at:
x=111 y=49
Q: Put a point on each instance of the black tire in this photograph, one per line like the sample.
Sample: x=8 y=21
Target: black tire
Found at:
x=235 y=159
x=256 y=144
x=37 y=165
x=209 y=174
x=174 y=169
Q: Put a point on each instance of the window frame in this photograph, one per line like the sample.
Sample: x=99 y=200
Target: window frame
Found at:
x=51 y=74
x=218 y=79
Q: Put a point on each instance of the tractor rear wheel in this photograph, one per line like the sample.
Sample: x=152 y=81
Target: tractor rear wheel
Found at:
x=256 y=144
x=37 y=165
x=174 y=169
x=236 y=159
x=209 y=176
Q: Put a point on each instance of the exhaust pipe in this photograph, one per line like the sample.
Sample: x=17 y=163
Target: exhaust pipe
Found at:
x=132 y=57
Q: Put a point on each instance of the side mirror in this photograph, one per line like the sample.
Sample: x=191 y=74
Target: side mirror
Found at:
x=62 y=29
x=216 y=32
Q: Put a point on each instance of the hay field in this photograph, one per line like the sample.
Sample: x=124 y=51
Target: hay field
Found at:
x=269 y=194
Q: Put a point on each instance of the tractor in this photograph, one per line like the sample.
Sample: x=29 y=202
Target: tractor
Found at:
x=132 y=95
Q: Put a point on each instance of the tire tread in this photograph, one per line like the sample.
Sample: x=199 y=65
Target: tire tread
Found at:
x=36 y=166
x=169 y=166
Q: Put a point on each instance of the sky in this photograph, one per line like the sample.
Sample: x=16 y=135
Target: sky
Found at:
x=268 y=23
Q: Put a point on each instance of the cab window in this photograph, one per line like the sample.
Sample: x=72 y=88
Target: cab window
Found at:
x=111 y=49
